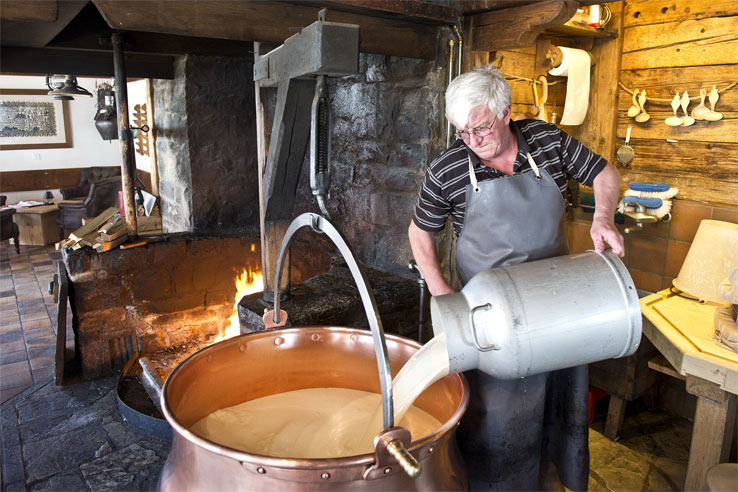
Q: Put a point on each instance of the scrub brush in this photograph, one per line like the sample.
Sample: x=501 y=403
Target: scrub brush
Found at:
x=648 y=190
x=654 y=206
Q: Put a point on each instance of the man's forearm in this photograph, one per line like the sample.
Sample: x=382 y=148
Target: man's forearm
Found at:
x=606 y=188
x=423 y=245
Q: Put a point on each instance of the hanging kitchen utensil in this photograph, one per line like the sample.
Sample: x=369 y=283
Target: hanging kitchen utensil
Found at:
x=643 y=116
x=674 y=120
x=536 y=102
x=543 y=98
x=635 y=108
x=687 y=120
x=713 y=115
x=699 y=112
x=625 y=153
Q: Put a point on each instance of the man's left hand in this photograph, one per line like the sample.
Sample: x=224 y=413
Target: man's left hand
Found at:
x=603 y=232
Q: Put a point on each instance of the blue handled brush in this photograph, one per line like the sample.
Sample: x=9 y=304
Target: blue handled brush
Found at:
x=654 y=206
x=649 y=190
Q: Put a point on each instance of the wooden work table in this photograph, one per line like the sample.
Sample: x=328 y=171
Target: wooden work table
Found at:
x=683 y=331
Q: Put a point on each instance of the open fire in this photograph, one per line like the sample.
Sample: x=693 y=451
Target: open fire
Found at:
x=247 y=282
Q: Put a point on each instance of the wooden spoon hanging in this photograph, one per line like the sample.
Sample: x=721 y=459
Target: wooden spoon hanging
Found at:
x=643 y=116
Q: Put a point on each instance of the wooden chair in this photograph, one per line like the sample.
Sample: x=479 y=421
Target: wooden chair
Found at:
x=8 y=228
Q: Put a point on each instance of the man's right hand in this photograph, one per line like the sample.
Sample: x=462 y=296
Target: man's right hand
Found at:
x=423 y=245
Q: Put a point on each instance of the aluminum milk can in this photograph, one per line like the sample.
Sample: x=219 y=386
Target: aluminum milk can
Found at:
x=541 y=316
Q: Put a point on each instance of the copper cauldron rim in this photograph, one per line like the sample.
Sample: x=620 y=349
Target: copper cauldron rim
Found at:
x=298 y=463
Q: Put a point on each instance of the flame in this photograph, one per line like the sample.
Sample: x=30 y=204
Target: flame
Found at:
x=247 y=282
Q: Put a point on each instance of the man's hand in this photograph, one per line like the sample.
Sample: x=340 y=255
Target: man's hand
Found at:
x=423 y=245
x=606 y=191
x=603 y=232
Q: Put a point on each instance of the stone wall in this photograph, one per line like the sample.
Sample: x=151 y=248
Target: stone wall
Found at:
x=206 y=145
x=387 y=126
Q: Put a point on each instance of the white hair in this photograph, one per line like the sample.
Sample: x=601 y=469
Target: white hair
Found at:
x=482 y=86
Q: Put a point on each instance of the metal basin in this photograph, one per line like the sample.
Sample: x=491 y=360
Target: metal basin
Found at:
x=264 y=363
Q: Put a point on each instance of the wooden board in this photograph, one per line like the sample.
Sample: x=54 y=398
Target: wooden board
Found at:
x=265 y=21
x=639 y=12
x=61 y=286
x=685 y=43
x=683 y=352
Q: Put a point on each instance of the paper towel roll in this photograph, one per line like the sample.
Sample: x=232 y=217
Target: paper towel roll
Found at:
x=575 y=65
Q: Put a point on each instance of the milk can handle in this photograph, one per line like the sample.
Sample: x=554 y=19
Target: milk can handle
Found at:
x=485 y=307
x=320 y=224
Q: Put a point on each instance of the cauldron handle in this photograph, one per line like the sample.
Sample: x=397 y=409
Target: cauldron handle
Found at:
x=320 y=224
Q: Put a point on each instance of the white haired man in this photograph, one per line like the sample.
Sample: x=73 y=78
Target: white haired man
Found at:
x=504 y=184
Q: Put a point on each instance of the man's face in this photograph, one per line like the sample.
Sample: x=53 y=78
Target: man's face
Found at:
x=487 y=132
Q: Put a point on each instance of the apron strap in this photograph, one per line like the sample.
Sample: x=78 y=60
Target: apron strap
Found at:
x=533 y=166
x=472 y=176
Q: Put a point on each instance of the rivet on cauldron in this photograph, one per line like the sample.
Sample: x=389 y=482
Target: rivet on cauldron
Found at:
x=353 y=338
x=431 y=449
x=261 y=470
x=278 y=341
x=210 y=358
x=387 y=470
x=315 y=337
x=242 y=348
x=325 y=475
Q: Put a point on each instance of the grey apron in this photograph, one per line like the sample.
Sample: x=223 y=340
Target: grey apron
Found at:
x=511 y=426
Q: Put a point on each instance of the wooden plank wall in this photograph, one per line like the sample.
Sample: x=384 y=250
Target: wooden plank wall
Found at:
x=675 y=45
x=598 y=129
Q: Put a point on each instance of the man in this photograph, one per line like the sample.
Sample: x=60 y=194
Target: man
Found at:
x=503 y=182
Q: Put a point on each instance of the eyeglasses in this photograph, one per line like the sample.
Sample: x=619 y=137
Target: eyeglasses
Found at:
x=481 y=131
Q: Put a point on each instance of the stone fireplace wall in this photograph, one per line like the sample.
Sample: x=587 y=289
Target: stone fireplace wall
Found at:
x=387 y=126
x=168 y=295
x=206 y=145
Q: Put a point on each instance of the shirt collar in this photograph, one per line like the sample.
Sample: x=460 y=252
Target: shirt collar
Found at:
x=520 y=159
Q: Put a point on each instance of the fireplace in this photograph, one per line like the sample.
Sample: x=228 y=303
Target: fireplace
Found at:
x=172 y=296
x=168 y=299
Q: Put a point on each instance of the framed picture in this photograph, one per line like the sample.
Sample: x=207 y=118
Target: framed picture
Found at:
x=30 y=119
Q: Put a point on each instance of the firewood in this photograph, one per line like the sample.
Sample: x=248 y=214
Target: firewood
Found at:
x=93 y=224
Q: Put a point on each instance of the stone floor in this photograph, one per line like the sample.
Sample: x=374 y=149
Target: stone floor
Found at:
x=72 y=437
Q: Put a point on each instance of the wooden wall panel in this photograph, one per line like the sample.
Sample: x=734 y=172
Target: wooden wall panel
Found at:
x=682 y=44
x=670 y=47
x=641 y=12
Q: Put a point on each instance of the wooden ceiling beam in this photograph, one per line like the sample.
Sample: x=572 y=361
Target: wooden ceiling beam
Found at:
x=83 y=63
x=29 y=10
x=519 y=26
x=263 y=21
x=410 y=10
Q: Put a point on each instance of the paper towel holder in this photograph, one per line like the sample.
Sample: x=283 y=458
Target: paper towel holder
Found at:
x=555 y=56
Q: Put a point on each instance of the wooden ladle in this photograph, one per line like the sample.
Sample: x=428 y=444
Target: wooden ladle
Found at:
x=699 y=112
x=713 y=115
x=688 y=120
x=643 y=116
x=674 y=120
x=635 y=109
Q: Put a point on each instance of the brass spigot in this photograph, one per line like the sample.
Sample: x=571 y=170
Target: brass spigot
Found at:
x=640 y=216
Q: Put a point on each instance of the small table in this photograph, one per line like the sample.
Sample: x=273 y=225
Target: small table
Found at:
x=37 y=224
x=682 y=330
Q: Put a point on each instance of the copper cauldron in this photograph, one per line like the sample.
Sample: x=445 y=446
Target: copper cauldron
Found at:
x=264 y=363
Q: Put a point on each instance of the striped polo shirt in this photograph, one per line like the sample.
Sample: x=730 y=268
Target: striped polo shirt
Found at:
x=444 y=186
